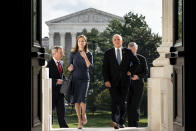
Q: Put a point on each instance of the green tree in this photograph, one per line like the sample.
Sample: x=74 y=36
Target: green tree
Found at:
x=103 y=100
x=96 y=80
x=114 y=27
x=136 y=29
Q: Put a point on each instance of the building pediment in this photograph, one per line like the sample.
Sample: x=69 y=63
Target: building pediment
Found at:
x=89 y=15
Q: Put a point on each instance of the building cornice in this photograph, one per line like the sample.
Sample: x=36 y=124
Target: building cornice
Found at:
x=84 y=11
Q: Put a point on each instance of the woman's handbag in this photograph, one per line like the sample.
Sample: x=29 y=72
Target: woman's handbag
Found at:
x=67 y=88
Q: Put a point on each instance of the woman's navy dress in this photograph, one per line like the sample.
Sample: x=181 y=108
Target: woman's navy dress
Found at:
x=80 y=76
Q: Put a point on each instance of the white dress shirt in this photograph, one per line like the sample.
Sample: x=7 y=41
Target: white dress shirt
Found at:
x=56 y=65
x=56 y=62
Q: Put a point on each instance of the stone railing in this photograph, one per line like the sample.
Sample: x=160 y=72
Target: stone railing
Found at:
x=160 y=101
x=160 y=87
x=46 y=99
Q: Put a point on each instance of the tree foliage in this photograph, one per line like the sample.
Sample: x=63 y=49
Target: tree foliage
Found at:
x=135 y=29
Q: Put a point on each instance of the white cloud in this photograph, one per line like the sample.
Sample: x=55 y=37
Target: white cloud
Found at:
x=151 y=9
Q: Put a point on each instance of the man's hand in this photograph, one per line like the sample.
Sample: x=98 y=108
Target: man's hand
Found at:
x=59 y=82
x=135 y=77
x=128 y=73
x=107 y=84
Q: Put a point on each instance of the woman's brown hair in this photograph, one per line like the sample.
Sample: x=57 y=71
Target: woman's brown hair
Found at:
x=75 y=49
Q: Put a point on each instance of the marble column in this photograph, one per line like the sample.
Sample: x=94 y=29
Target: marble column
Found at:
x=51 y=40
x=73 y=38
x=62 y=39
x=160 y=87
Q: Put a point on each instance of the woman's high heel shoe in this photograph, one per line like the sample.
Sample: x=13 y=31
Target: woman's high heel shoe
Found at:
x=80 y=124
x=84 y=120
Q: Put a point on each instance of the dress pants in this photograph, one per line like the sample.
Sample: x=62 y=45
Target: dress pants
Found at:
x=118 y=96
x=58 y=103
x=135 y=95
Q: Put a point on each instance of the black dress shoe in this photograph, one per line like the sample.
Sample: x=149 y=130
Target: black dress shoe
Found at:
x=64 y=127
x=122 y=126
x=115 y=125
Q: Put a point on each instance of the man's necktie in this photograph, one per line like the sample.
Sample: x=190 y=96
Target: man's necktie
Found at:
x=118 y=56
x=59 y=67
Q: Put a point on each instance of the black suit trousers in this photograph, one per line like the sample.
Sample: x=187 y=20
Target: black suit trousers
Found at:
x=118 y=95
x=135 y=95
x=58 y=103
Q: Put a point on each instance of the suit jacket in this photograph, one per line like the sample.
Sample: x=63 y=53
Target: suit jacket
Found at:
x=142 y=69
x=54 y=75
x=114 y=72
x=80 y=72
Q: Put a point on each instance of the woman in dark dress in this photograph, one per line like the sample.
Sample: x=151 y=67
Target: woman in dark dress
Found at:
x=80 y=61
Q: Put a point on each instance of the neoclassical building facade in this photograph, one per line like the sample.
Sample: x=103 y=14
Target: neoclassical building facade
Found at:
x=64 y=30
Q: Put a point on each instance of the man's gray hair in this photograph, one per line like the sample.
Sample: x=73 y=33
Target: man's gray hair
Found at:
x=118 y=36
x=131 y=44
x=55 y=48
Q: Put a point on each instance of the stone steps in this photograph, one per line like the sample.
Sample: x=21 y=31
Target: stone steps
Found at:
x=100 y=129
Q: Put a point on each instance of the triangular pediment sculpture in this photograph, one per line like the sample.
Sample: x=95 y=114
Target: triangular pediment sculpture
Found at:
x=89 y=15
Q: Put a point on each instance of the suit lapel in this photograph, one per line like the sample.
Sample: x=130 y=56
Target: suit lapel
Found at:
x=81 y=59
x=56 y=68
x=114 y=56
x=123 y=54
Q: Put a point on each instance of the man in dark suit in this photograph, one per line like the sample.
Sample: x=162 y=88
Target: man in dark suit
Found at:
x=56 y=73
x=136 y=89
x=116 y=65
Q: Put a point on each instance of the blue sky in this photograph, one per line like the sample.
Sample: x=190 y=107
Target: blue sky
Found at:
x=151 y=9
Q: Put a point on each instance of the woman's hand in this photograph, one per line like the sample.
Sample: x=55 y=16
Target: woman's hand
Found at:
x=83 y=54
x=71 y=68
